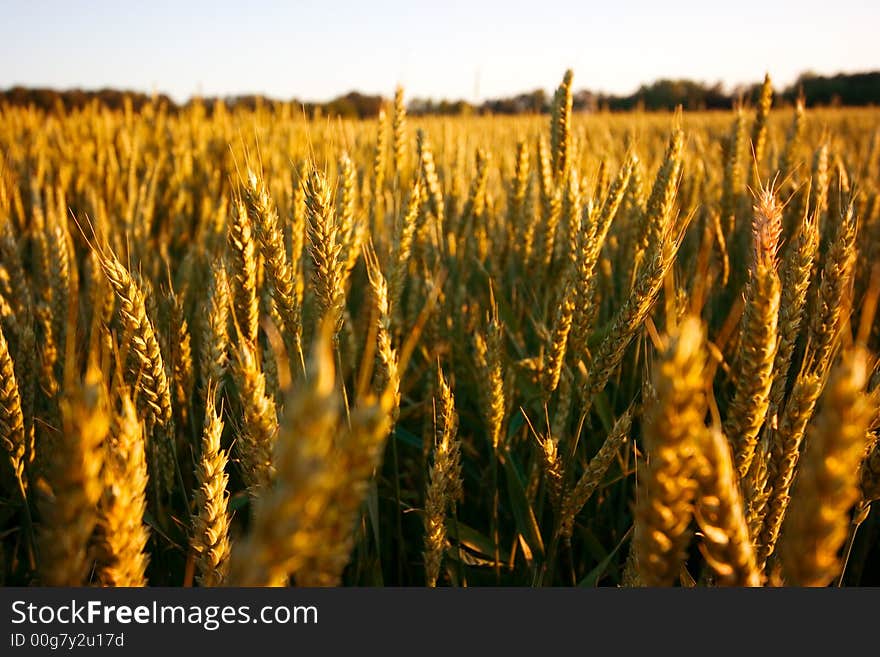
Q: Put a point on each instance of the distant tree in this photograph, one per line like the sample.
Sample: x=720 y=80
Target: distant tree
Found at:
x=664 y=94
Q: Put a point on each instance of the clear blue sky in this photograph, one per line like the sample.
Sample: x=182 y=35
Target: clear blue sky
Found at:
x=315 y=50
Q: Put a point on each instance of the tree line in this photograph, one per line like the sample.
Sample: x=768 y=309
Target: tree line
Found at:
x=845 y=89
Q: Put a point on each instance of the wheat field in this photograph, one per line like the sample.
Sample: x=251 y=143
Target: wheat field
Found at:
x=247 y=348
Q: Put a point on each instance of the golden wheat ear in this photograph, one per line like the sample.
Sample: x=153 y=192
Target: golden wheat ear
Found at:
x=285 y=531
x=12 y=429
x=263 y=216
x=122 y=535
x=210 y=524
x=258 y=427
x=444 y=479
x=73 y=486
x=827 y=485
x=726 y=544
x=758 y=334
x=673 y=426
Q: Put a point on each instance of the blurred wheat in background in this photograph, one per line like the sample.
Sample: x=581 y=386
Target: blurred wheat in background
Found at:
x=240 y=347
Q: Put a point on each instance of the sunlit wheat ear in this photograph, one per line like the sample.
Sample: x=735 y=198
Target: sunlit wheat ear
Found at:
x=122 y=534
x=600 y=189
x=285 y=531
x=213 y=354
x=359 y=448
x=613 y=200
x=19 y=281
x=401 y=251
x=821 y=179
x=551 y=202
x=760 y=128
x=660 y=203
x=48 y=349
x=242 y=272
x=325 y=249
x=785 y=450
x=793 y=138
x=573 y=201
x=834 y=291
x=380 y=159
x=629 y=319
x=560 y=127
x=726 y=544
x=757 y=486
x=258 y=428
x=444 y=479
x=518 y=214
x=562 y=322
x=733 y=184
x=351 y=228
x=361 y=445
x=73 y=486
x=60 y=280
x=297 y=236
x=758 y=334
x=433 y=190
x=210 y=533
x=590 y=243
x=183 y=369
x=495 y=380
x=795 y=273
x=12 y=432
x=146 y=367
x=389 y=378
x=280 y=274
x=827 y=483
x=398 y=134
x=475 y=206
x=672 y=426
x=46 y=274
x=595 y=471
x=551 y=461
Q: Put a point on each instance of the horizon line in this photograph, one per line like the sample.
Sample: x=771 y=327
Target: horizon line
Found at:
x=726 y=87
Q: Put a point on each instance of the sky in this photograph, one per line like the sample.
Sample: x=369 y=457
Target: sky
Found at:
x=442 y=49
